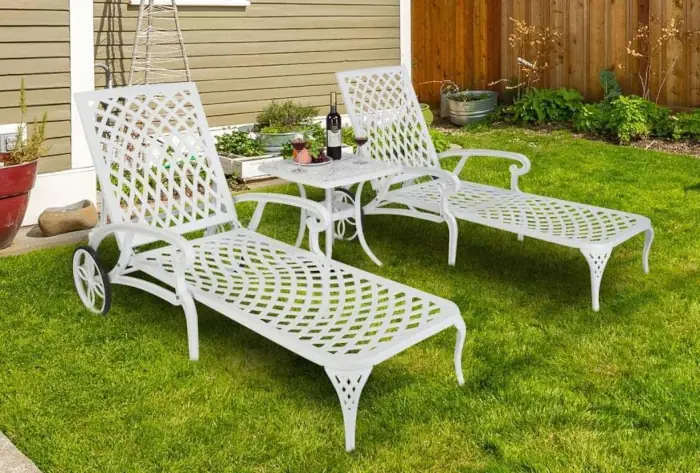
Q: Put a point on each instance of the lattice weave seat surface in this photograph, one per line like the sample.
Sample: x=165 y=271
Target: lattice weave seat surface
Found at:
x=383 y=106
x=567 y=223
x=161 y=179
x=340 y=313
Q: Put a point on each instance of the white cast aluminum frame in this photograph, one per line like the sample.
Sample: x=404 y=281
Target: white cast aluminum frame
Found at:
x=382 y=105
x=161 y=178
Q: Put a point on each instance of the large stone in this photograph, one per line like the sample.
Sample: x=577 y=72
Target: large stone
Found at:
x=79 y=216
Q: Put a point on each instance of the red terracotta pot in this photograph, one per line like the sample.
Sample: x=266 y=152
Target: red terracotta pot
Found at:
x=16 y=182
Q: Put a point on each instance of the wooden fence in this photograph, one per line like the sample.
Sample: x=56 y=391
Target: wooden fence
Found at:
x=467 y=41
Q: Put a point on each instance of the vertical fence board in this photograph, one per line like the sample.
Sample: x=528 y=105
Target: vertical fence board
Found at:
x=596 y=51
x=467 y=41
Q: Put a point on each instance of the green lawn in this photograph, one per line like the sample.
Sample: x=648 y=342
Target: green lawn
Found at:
x=550 y=385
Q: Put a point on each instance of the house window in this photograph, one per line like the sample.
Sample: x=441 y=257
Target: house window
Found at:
x=200 y=3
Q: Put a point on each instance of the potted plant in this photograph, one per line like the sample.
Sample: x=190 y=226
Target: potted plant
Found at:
x=239 y=150
x=18 y=173
x=471 y=106
x=279 y=122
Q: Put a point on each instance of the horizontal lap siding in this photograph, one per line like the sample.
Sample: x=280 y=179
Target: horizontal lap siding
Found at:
x=34 y=45
x=242 y=58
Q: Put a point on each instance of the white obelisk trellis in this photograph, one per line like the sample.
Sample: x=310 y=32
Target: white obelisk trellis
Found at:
x=159 y=49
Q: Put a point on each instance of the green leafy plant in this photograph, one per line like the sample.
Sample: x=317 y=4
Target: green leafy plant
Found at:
x=469 y=96
x=687 y=126
x=440 y=140
x=540 y=106
x=611 y=87
x=285 y=117
x=32 y=148
x=592 y=118
x=630 y=118
x=315 y=141
x=242 y=143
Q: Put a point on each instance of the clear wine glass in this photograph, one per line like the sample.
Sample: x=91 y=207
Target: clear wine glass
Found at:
x=361 y=139
x=298 y=146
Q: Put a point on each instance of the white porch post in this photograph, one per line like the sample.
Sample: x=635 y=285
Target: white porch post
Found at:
x=405 y=26
x=77 y=183
x=82 y=74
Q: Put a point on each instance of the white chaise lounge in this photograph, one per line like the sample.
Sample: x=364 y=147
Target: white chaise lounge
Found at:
x=161 y=178
x=382 y=104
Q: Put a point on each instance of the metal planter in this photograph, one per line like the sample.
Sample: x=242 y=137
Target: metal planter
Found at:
x=464 y=113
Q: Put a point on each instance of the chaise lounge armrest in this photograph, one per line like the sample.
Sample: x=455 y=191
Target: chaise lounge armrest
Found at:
x=410 y=173
x=156 y=234
x=515 y=171
x=316 y=225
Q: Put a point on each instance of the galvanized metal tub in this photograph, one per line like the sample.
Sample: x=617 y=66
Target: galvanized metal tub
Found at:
x=464 y=113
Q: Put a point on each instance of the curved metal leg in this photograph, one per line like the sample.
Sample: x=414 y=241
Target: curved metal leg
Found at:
x=302 y=223
x=597 y=260
x=648 y=240
x=348 y=385
x=358 y=224
x=459 y=347
x=192 y=326
x=330 y=231
x=521 y=237
x=454 y=235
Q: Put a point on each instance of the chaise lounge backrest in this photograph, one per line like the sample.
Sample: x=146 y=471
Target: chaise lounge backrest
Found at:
x=155 y=157
x=382 y=104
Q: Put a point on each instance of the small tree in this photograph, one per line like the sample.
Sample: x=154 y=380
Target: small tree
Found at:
x=32 y=148
x=648 y=52
x=537 y=50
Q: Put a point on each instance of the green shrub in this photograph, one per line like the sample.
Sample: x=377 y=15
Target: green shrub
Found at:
x=540 y=106
x=629 y=118
x=687 y=126
x=285 y=117
x=242 y=143
x=440 y=140
x=592 y=118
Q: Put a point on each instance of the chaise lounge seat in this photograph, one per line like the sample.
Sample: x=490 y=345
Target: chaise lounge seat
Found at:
x=383 y=106
x=161 y=179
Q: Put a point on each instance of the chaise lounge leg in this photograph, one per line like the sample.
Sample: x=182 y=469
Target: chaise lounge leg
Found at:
x=454 y=235
x=648 y=240
x=192 y=326
x=348 y=385
x=459 y=347
x=597 y=260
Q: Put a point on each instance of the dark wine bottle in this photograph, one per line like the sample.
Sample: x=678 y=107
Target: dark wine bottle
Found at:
x=334 y=139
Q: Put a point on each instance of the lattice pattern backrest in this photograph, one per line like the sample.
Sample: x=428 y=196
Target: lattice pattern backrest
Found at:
x=155 y=156
x=382 y=105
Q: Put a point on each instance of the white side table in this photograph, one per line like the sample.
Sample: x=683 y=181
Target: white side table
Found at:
x=335 y=178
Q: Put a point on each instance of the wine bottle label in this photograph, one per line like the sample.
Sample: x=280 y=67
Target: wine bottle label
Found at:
x=334 y=139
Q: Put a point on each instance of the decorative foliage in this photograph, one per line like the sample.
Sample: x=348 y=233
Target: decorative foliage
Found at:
x=592 y=118
x=469 y=96
x=648 y=51
x=242 y=143
x=629 y=118
x=285 y=117
x=32 y=148
x=440 y=140
x=541 y=106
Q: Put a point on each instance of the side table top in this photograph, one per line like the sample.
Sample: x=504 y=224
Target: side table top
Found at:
x=349 y=170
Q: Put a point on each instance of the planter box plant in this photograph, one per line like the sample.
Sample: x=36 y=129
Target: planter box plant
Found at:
x=471 y=106
x=279 y=122
x=241 y=152
x=18 y=173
